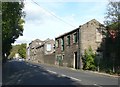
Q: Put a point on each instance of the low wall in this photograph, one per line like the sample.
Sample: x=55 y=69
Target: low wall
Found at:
x=49 y=59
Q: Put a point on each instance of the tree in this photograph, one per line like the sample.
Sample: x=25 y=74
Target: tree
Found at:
x=112 y=42
x=12 y=25
x=22 y=50
x=113 y=15
x=88 y=59
x=13 y=51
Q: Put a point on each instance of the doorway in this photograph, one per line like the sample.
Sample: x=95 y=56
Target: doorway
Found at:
x=75 y=60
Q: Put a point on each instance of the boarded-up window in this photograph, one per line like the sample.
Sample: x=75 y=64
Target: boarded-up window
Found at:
x=68 y=40
x=98 y=36
x=49 y=47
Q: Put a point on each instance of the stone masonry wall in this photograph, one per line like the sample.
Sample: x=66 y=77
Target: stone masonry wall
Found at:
x=88 y=36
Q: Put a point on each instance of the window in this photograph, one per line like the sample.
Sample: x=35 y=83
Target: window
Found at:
x=39 y=43
x=68 y=40
x=62 y=44
x=48 y=47
x=75 y=38
x=98 y=36
x=57 y=43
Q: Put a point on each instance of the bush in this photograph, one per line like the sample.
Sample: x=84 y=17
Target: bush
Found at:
x=88 y=60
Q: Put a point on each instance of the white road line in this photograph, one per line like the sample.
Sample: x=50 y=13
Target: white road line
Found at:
x=75 y=79
x=35 y=66
x=64 y=75
x=52 y=72
x=97 y=85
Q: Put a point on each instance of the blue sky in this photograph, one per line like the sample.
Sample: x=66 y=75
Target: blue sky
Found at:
x=40 y=24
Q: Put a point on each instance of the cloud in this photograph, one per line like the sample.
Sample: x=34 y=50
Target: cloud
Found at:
x=41 y=23
x=22 y=39
x=35 y=12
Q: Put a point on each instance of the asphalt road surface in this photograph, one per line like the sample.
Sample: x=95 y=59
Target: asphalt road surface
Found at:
x=25 y=73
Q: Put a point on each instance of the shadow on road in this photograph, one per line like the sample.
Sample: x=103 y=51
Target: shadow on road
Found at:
x=22 y=73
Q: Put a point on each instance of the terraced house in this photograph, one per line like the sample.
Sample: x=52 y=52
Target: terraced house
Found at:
x=70 y=47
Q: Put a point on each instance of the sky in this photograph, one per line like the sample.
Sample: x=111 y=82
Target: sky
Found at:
x=51 y=18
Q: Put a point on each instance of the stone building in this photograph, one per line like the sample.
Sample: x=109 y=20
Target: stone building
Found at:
x=70 y=46
x=39 y=51
x=33 y=49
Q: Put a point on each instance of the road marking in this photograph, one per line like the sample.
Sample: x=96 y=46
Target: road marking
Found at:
x=52 y=72
x=94 y=84
x=75 y=78
x=97 y=85
x=35 y=66
x=64 y=75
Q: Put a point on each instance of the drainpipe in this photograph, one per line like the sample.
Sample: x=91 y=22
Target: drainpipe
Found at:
x=79 y=53
x=79 y=47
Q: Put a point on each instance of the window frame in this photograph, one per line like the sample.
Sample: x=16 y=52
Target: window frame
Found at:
x=75 y=37
x=62 y=44
x=68 y=40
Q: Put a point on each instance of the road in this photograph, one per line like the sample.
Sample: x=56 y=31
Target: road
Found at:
x=25 y=73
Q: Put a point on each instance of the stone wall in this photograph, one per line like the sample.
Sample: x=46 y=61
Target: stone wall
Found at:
x=49 y=59
x=67 y=56
x=88 y=36
x=39 y=52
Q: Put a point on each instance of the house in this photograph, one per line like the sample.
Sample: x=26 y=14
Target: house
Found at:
x=39 y=50
x=70 y=47
x=33 y=49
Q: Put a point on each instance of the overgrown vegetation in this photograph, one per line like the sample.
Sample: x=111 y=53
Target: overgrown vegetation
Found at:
x=21 y=49
x=89 y=60
x=111 y=60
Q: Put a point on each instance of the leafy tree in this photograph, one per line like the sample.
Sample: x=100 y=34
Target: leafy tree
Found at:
x=88 y=59
x=112 y=41
x=113 y=15
x=13 y=51
x=22 y=50
x=12 y=25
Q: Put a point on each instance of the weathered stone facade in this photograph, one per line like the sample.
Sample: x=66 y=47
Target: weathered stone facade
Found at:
x=76 y=42
x=38 y=51
x=33 y=48
x=65 y=57
x=69 y=47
